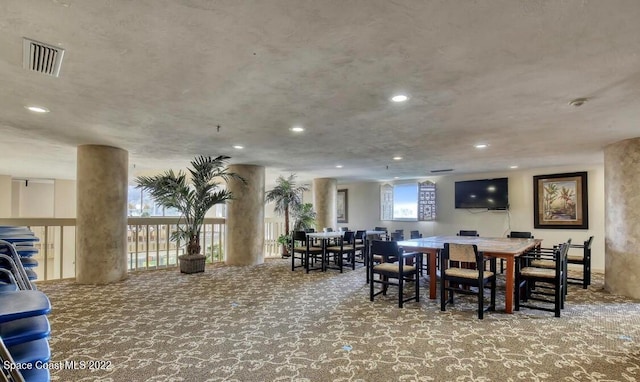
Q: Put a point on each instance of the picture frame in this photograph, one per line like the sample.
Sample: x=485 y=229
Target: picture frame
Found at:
x=342 y=205
x=560 y=201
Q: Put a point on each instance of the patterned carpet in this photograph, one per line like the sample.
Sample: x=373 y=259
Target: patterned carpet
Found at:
x=266 y=323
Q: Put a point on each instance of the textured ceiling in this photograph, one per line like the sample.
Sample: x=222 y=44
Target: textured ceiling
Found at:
x=155 y=77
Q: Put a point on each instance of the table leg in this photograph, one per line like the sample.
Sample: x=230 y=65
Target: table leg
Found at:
x=509 y=284
x=325 y=255
x=433 y=278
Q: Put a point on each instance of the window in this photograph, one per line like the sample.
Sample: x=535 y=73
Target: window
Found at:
x=408 y=201
x=140 y=204
x=405 y=201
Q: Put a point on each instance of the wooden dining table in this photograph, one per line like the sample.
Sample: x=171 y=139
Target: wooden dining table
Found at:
x=499 y=247
x=325 y=237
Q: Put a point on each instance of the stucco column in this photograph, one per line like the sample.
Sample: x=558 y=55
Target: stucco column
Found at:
x=101 y=224
x=622 y=217
x=325 y=192
x=245 y=217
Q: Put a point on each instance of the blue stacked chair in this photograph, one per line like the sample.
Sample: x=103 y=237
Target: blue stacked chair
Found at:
x=24 y=326
x=24 y=241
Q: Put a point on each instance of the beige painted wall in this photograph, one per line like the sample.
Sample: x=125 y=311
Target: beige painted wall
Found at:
x=32 y=199
x=364 y=209
x=5 y=196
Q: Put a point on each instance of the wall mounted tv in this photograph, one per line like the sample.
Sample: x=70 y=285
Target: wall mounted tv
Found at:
x=492 y=194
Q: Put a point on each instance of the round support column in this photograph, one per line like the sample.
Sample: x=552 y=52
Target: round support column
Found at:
x=101 y=223
x=325 y=192
x=245 y=217
x=622 y=217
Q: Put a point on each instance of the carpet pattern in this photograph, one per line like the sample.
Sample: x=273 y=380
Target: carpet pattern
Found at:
x=266 y=323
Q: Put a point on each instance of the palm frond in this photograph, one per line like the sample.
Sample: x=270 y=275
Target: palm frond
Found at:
x=193 y=197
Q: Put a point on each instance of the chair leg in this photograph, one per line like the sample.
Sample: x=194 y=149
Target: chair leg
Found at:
x=443 y=294
x=366 y=264
x=493 y=295
x=480 y=301
x=559 y=296
x=370 y=285
x=400 y=290
x=306 y=263
x=518 y=291
x=586 y=275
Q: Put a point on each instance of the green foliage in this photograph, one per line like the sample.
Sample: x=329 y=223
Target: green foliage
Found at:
x=284 y=239
x=287 y=197
x=192 y=197
x=305 y=217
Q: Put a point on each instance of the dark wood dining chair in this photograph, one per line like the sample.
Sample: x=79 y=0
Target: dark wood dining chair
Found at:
x=302 y=249
x=343 y=251
x=470 y=280
x=393 y=268
x=583 y=259
x=516 y=235
x=537 y=287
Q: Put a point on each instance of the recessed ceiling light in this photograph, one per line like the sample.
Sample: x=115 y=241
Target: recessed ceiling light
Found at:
x=297 y=129
x=396 y=177
x=37 y=109
x=399 y=98
x=397 y=158
x=481 y=146
x=339 y=166
x=238 y=147
x=514 y=166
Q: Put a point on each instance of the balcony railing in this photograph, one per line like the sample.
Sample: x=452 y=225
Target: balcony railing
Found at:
x=148 y=244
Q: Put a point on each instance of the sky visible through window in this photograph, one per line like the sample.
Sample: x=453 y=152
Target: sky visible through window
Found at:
x=405 y=201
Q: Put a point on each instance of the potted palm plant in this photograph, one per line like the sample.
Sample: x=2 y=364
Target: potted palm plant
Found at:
x=304 y=217
x=191 y=196
x=287 y=197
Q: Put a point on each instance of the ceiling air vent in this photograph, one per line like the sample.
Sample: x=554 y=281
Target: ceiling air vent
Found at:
x=41 y=58
x=443 y=170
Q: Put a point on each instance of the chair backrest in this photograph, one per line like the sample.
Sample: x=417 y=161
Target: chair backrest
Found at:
x=520 y=235
x=299 y=236
x=397 y=236
x=415 y=234
x=387 y=249
x=309 y=230
x=360 y=234
x=328 y=229
x=348 y=237
x=344 y=229
x=587 y=244
x=465 y=232
x=380 y=229
x=466 y=253
x=561 y=256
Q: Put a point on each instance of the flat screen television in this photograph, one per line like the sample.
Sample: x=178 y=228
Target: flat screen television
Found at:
x=492 y=194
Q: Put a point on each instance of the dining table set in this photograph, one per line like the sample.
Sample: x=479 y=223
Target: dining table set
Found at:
x=504 y=248
x=498 y=247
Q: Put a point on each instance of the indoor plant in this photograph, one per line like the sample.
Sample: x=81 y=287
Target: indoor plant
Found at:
x=287 y=197
x=304 y=217
x=192 y=196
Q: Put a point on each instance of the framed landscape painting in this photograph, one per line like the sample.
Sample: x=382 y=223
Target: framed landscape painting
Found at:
x=343 y=206
x=560 y=201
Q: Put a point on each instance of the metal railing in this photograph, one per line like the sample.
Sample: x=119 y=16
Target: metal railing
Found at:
x=148 y=243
